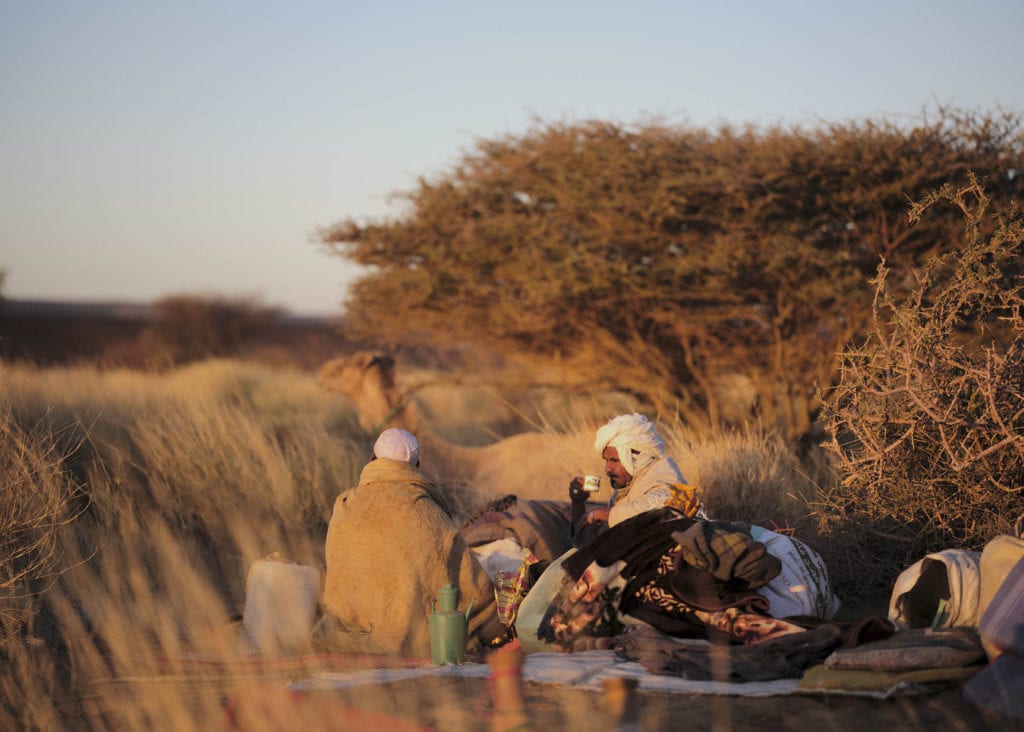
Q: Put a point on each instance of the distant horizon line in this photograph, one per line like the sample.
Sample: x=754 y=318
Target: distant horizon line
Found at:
x=124 y=309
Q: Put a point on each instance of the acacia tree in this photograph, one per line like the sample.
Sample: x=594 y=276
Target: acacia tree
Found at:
x=658 y=258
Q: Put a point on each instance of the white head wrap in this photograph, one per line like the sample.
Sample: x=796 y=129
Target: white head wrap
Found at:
x=635 y=439
x=397 y=444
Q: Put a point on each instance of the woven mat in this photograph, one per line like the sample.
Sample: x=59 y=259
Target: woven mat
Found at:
x=587 y=670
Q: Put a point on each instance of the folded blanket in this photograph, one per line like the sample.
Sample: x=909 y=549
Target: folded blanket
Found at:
x=726 y=554
x=784 y=653
x=782 y=657
x=913 y=649
x=882 y=684
x=639 y=568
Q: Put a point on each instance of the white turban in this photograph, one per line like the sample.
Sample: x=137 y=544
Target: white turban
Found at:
x=397 y=444
x=635 y=439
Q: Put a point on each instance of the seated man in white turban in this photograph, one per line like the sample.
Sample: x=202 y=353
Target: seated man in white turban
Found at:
x=642 y=477
x=651 y=557
x=391 y=547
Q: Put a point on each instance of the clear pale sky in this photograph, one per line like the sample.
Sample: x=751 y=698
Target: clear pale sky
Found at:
x=155 y=148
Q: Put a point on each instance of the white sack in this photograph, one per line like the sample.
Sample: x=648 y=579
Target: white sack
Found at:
x=952 y=576
x=803 y=586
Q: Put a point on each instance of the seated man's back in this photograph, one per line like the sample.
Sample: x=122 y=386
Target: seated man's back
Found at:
x=390 y=548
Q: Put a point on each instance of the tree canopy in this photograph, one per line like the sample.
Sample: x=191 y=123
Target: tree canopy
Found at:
x=661 y=259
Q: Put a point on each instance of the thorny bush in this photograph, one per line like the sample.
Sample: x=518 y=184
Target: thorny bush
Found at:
x=928 y=416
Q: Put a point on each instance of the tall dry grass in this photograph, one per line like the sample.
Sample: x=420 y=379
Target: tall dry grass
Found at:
x=143 y=499
x=752 y=474
x=175 y=483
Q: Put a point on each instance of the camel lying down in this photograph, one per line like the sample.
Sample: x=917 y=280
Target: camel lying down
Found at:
x=531 y=465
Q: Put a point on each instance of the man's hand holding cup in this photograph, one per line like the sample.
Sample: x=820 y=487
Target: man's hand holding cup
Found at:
x=582 y=488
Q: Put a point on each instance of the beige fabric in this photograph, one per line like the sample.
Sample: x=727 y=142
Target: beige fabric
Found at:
x=997 y=559
x=952 y=576
x=390 y=548
x=650 y=488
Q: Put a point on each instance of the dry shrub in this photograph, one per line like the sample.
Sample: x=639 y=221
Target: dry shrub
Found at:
x=750 y=475
x=929 y=412
x=190 y=327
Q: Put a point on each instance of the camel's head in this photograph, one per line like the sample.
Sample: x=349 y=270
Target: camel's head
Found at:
x=353 y=375
x=368 y=379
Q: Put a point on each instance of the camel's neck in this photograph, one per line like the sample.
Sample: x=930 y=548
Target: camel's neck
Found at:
x=444 y=460
x=388 y=406
x=382 y=408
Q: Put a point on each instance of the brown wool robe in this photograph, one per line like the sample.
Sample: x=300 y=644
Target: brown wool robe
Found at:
x=389 y=549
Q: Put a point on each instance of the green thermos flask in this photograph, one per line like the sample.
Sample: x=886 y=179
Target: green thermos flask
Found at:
x=448 y=628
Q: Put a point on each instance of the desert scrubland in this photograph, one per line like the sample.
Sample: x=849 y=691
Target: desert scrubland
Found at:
x=813 y=355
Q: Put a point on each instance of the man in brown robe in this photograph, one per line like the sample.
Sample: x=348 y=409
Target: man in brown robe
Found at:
x=391 y=547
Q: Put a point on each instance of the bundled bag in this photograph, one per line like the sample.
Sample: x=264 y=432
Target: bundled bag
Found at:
x=803 y=586
x=941 y=590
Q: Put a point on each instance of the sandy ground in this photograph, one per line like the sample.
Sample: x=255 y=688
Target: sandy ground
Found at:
x=446 y=703
x=251 y=701
x=461 y=703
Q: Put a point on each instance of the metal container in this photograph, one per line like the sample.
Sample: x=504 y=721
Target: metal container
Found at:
x=448 y=628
